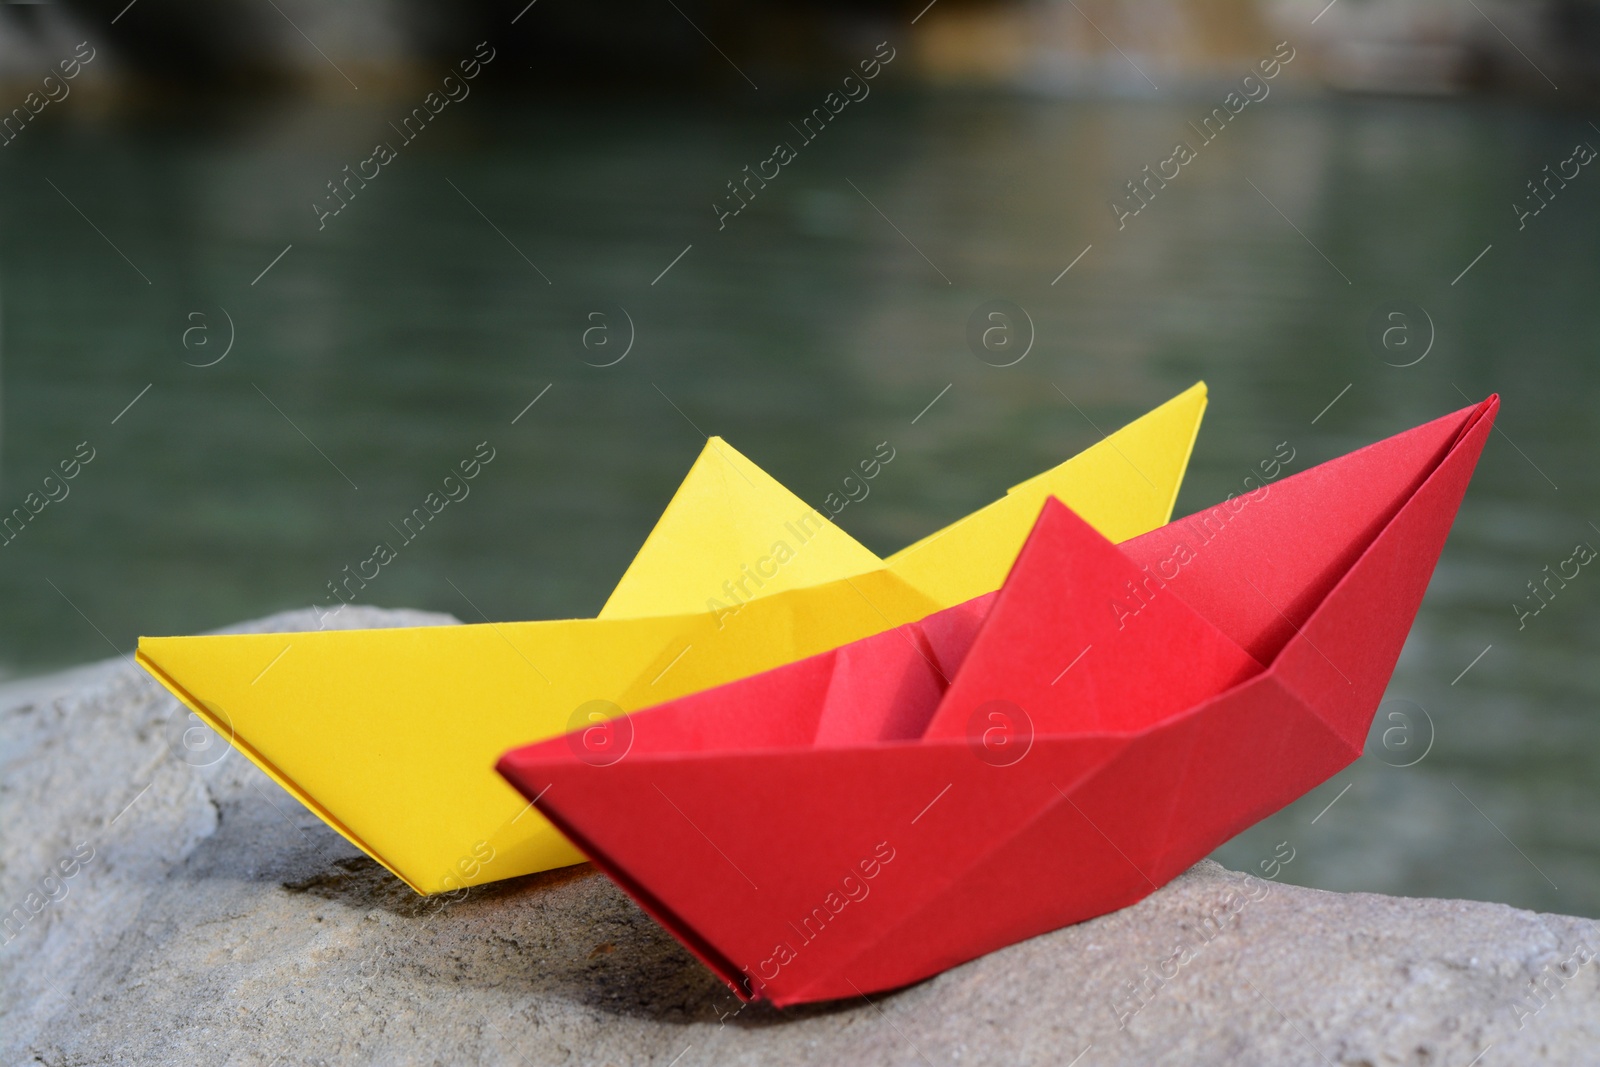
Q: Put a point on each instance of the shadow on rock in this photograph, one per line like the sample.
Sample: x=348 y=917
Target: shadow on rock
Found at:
x=568 y=933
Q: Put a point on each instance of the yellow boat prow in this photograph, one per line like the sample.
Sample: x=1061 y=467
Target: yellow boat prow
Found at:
x=391 y=735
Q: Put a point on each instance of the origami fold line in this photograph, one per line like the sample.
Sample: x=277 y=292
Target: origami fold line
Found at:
x=865 y=818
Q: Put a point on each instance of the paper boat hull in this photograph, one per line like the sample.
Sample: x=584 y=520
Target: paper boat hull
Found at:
x=801 y=869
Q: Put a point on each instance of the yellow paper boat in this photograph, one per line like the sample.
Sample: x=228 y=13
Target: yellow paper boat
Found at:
x=391 y=735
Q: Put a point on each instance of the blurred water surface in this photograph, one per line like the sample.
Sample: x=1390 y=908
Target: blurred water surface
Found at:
x=455 y=288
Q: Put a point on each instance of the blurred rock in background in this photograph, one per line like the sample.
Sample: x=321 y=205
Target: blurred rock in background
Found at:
x=1126 y=47
x=1387 y=46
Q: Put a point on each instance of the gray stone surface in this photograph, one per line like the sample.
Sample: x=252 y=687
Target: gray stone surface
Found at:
x=218 y=921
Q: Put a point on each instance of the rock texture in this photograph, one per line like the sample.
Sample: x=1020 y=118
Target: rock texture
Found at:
x=209 y=918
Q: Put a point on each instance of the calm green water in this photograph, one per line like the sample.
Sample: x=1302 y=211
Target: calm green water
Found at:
x=409 y=330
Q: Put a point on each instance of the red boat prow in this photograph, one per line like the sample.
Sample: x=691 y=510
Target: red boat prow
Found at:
x=871 y=816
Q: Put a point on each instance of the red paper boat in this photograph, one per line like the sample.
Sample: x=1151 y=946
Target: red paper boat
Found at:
x=871 y=816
